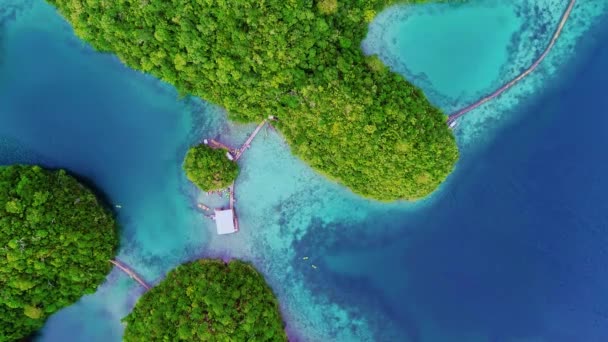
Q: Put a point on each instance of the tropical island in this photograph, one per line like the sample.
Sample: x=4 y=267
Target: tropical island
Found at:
x=208 y=300
x=342 y=112
x=209 y=168
x=55 y=242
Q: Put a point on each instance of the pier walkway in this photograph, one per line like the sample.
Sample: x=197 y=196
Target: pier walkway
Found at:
x=131 y=273
x=247 y=143
x=236 y=153
x=216 y=144
x=453 y=117
x=232 y=201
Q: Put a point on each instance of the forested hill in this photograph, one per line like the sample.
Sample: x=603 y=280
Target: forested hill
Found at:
x=207 y=300
x=55 y=242
x=209 y=168
x=343 y=113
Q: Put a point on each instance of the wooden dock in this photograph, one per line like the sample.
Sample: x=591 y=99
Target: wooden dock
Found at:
x=216 y=144
x=236 y=154
x=247 y=143
x=131 y=273
x=232 y=200
x=453 y=117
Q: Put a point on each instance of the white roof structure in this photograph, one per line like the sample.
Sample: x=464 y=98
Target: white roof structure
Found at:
x=224 y=219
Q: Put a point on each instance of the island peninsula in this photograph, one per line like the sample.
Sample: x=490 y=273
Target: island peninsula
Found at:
x=342 y=112
x=208 y=300
x=209 y=168
x=55 y=242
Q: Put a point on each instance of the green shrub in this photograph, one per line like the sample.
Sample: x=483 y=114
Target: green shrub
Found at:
x=207 y=300
x=210 y=169
x=55 y=243
x=328 y=6
x=340 y=112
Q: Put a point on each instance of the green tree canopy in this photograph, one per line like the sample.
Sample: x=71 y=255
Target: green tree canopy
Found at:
x=55 y=242
x=300 y=60
x=207 y=300
x=210 y=169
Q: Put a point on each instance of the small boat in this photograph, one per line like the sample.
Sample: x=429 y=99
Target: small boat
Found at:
x=453 y=124
x=313 y=266
x=202 y=206
x=118 y=206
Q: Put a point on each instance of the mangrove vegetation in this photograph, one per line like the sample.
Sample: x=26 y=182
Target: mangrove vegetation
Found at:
x=210 y=169
x=344 y=113
x=207 y=300
x=55 y=243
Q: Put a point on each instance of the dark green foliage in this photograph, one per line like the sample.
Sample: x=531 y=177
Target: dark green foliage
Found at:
x=300 y=60
x=207 y=300
x=55 y=242
x=210 y=169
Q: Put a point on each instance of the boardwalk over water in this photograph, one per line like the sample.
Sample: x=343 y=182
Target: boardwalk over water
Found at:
x=216 y=144
x=236 y=153
x=247 y=143
x=453 y=117
x=131 y=273
x=232 y=201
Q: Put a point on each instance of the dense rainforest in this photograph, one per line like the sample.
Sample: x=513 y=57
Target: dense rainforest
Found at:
x=55 y=243
x=207 y=300
x=209 y=168
x=344 y=113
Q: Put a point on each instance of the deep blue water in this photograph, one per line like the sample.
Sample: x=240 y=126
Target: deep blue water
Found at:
x=517 y=246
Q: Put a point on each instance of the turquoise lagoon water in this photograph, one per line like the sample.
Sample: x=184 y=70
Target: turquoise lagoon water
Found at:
x=510 y=248
x=421 y=48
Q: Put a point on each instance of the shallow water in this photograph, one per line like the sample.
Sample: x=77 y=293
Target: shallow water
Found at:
x=511 y=248
x=422 y=49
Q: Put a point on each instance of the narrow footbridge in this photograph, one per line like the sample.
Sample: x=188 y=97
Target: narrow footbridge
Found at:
x=123 y=267
x=247 y=143
x=454 y=116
